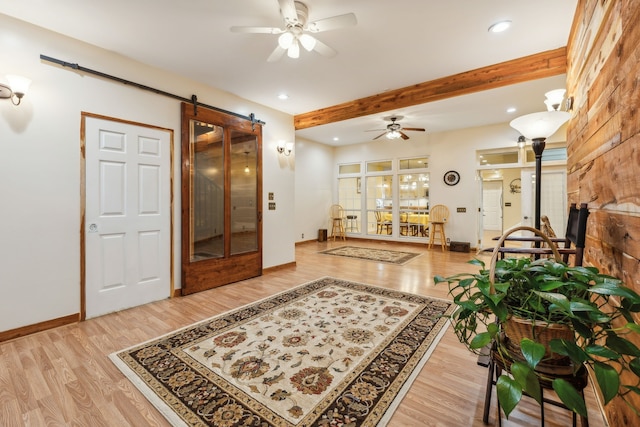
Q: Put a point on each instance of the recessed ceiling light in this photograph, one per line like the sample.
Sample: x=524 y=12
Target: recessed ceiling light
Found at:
x=283 y=96
x=511 y=110
x=499 y=27
x=335 y=138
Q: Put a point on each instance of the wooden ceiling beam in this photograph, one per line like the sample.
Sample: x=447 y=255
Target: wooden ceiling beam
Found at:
x=533 y=67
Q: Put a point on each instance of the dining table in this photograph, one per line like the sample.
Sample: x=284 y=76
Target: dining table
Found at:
x=415 y=222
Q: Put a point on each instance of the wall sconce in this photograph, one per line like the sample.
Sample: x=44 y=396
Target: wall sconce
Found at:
x=521 y=141
x=15 y=90
x=554 y=99
x=285 y=149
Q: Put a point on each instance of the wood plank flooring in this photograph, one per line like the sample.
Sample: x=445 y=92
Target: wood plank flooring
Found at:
x=62 y=377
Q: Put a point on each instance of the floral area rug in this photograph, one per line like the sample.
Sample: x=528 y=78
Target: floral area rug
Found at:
x=381 y=255
x=326 y=353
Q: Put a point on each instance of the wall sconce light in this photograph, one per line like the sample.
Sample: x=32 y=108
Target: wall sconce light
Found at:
x=554 y=99
x=521 y=141
x=285 y=149
x=15 y=90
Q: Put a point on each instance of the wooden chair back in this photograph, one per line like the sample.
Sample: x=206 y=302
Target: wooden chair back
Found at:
x=439 y=213
x=574 y=240
x=336 y=212
x=576 y=233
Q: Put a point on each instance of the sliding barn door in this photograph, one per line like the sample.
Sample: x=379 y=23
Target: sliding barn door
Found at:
x=221 y=199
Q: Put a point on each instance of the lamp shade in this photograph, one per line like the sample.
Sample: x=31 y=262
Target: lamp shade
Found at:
x=554 y=99
x=294 y=50
x=19 y=85
x=285 y=40
x=308 y=42
x=540 y=125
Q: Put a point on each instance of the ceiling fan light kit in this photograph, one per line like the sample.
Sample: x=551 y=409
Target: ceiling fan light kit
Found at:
x=395 y=130
x=296 y=28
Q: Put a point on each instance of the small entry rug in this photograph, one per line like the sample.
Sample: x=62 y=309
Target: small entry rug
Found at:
x=326 y=353
x=381 y=255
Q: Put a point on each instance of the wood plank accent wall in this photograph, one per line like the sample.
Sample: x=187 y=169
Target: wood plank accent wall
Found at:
x=603 y=137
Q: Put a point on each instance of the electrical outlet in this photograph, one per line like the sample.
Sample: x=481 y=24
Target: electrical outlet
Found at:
x=448 y=240
x=303 y=235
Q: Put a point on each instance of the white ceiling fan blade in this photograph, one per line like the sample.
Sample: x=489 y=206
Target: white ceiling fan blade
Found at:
x=276 y=54
x=288 y=11
x=323 y=49
x=257 y=30
x=333 y=23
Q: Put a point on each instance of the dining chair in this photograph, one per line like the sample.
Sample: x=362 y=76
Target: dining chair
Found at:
x=382 y=223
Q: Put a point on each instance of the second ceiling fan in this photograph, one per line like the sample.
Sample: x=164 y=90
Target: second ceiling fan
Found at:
x=395 y=130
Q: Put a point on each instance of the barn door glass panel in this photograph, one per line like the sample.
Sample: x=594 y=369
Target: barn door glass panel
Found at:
x=244 y=192
x=207 y=191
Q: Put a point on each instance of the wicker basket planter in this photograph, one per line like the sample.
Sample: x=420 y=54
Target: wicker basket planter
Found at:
x=515 y=329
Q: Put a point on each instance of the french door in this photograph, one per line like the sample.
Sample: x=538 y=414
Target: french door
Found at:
x=221 y=199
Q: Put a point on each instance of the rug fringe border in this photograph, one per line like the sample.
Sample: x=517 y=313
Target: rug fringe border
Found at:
x=384 y=420
x=165 y=410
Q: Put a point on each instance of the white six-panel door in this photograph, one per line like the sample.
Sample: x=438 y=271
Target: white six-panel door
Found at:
x=127 y=215
x=492 y=205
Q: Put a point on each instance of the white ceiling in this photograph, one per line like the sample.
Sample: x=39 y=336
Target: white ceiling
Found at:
x=394 y=44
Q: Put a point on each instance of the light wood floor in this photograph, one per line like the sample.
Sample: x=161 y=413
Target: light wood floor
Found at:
x=62 y=377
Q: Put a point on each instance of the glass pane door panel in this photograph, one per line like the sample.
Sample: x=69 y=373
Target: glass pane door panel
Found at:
x=244 y=189
x=413 y=194
x=206 y=157
x=349 y=197
x=379 y=203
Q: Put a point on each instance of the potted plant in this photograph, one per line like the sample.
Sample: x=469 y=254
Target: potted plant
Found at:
x=546 y=295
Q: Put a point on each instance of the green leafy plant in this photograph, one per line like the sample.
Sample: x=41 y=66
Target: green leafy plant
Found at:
x=596 y=307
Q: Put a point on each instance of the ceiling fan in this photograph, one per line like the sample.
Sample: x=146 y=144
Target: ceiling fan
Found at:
x=395 y=130
x=297 y=28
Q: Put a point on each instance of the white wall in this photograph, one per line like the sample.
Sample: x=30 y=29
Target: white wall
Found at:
x=40 y=164
x=314 y=188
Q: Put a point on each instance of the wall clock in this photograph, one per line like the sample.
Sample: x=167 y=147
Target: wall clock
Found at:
x=515 y=186
x=451 y=178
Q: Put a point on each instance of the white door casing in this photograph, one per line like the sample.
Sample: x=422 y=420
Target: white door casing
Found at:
x=127 y=215
x=527 y=201
x=553 y=199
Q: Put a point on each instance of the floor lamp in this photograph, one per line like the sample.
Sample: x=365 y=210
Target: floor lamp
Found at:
x=538 y=127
